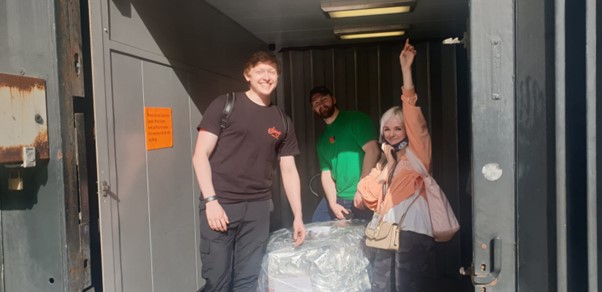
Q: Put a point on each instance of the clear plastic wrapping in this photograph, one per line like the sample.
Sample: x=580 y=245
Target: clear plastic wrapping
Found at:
x=332 y=258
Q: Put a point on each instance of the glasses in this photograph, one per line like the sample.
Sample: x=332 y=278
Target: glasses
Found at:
x=262 y=72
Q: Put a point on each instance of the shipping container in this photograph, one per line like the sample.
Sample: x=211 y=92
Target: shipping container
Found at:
x=94 y=198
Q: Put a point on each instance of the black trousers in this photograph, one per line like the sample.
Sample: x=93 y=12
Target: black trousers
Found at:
x=407 y=269
x=232 y=259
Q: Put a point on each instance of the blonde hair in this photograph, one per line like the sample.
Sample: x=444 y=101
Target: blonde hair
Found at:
x=394 y=112
x=390 y=113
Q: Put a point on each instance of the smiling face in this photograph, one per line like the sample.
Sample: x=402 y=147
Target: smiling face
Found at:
x=323 y=105
x=262 y=78
x=393 y=130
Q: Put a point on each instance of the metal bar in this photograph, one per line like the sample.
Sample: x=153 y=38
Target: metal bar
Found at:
x=69 y=42
x=561 y=218
x=83 y=268
x=592 y=214
x=492 y=25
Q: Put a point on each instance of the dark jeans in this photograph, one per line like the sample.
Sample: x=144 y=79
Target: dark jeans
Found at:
x=232 y=259
x=411 y=264
x=323 y=212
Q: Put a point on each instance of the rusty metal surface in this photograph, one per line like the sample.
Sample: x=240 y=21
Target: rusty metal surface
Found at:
x=23 y=117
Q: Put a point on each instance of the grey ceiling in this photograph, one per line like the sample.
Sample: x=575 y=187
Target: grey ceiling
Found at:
x=301 y=23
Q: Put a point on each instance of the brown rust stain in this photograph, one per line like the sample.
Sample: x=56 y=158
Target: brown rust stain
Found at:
x=21 y=83
x=14 y=153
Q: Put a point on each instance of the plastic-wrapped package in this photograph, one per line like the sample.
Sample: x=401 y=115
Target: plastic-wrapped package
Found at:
x=332 y=258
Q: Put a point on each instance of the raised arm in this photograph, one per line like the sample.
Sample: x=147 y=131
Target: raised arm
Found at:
x=414 y=121
x=406 y=59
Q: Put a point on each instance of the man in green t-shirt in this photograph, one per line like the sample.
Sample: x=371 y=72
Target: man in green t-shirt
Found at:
x=347 y=151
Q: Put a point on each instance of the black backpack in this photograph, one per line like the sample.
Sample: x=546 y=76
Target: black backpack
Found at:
x=230 y=99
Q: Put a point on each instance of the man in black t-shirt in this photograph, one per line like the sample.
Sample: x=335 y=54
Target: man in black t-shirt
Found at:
x=234 y=167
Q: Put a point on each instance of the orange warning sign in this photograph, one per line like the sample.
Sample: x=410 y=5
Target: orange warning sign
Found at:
x=158 y=128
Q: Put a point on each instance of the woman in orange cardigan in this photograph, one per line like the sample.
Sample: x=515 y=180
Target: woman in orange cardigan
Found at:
x=404 y=203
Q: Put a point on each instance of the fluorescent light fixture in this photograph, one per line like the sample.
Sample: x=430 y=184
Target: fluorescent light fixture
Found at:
x=371 y=32
x=372 y=35
x=353 y=8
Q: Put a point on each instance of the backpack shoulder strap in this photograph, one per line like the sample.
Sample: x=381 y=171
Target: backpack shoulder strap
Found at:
x=284 y=122
x=230 y=99
x=416 y=163
x=285 y=131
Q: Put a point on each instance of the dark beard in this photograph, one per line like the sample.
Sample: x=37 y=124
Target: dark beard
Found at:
x=326 y=113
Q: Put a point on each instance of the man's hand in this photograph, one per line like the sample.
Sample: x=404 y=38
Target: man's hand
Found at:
x=298 y=232
x=216 y=216
x=358 y=202
x=339 y=211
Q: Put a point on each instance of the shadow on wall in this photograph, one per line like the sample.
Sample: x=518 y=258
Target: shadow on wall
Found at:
x=206 y=51
x=33 y=179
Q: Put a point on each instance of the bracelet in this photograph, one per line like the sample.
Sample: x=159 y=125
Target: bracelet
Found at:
x=209 y=199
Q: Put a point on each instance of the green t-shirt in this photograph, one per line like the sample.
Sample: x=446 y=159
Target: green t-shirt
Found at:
x=340 y=150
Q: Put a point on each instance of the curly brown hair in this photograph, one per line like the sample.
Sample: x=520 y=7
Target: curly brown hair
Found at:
x=261 y=57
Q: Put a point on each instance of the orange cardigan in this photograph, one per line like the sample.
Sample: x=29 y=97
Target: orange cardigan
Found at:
x=405 y=180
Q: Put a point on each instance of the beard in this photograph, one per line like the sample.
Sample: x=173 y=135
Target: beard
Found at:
x=325 y=112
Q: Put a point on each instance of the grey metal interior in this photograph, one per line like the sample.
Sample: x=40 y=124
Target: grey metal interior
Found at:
x=181 y=55
x=540 y=126
x=301 y=23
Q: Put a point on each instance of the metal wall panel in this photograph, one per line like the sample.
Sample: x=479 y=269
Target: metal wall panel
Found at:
x=597 y=119
x=172 y=207
x=131 y=187
x=493 y=158
x=592 y=112
x=560 y=122
x=33 y=222
x=186 y=31
x=576 y=141
x=535 y=147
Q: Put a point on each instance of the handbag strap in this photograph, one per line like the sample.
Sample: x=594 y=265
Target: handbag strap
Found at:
x=388 y=182
x=416 y=163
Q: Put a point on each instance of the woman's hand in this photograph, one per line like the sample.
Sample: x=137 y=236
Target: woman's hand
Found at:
x=389 y=152
x=389 y=155
x=406 y=58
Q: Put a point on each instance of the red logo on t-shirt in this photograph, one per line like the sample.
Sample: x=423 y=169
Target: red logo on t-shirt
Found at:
x=274 y=133
x=331 y=139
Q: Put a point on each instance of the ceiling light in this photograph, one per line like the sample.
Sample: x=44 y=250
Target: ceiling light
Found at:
x=372 y=35
x=371 y=32
x=352 y=8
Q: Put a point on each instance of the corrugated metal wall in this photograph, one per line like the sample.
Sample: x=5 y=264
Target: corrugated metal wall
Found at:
x=577 y=60
x=368 y=79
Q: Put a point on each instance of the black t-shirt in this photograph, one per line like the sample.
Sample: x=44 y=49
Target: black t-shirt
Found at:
x=242 y=163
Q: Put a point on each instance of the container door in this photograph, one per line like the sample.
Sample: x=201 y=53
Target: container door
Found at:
x=148 y=199
x=491 y=57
